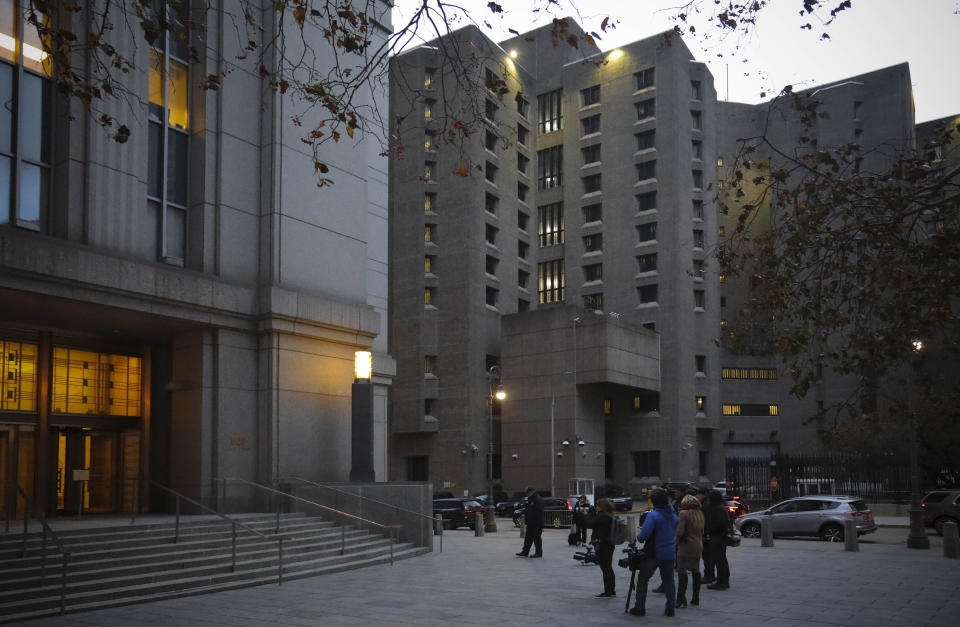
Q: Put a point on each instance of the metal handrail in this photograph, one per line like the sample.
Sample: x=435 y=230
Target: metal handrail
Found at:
x=43 y=543
x=391 y=528
x=234 y=523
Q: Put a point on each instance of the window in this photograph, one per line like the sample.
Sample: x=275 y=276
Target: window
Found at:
x=697 y=149
x=723 y=301
x=523 y=305
x=550 y=224
x=647 y=201
x=647 y=232
x=647 y=294
x=523 y=249
x=428 y=264
x=701 y=404
x=18 y=376
x=698 y=268
x=551 y=281
x=490 y=109
x=429 y=141
x=697 y=238
x=591 y=183
x=522 y=162
x=698 y=209
x=591 y=154
x=719 y=162
x=168 y=141
x=721 y=230
x=702 y=463
x=550 y=167
x=523 y=278
x=701 y=361
x=428 y=404
x=418 y=467
x=699 y=299
x=769 y=374
x=593 y=272
x=492 y=294
x=550 y=112
x=590 y=96
x=645 y=109
x=491 y=234
x=695 y=90
x=430 y=232
x=491 y=266
x=523 y=105
x=429 y=364
x=607 y=407
x=647 y=263
x=650 y=325
x=590 y=125
x=646 y=463
x=646 y=403
x=857 y=104
x=644 y=78
x=429 y=296
x=522 y=192
x=429 y=76
x=428 y=168
x=749 y=409
x=697 y=179
x=646 y=140
x=721 y=278
x=491 y=203
x=646 y=170
x=429 y=202
x=491 y=172
x=593 y=213
x=522 y=133
x=428 y=105
x=491 y=80
x=593 y=243
x=523 y=220
x=593 y=301
x=86 y=382
x=697 y=119
x=490 y=141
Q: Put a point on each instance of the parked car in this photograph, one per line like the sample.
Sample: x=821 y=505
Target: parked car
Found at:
x=939 y=507
x=621 y=499
x=508 y=506
x=556 y=513
x=736 y=508
x=460 y=512
x=820 y=515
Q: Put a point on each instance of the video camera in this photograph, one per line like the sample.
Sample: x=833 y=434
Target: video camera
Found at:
x=587 y=556
x=634 y=558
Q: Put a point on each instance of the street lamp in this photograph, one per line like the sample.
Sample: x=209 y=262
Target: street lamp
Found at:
x=917 y=538
x=493 y=393
x=361 y=402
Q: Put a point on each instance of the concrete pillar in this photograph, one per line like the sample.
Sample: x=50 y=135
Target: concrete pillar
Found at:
x=951 y=540
x=851 y=542
x=766 y=532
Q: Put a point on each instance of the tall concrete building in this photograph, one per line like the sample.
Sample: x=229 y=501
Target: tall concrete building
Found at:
x=186 y=305
x=563 y=248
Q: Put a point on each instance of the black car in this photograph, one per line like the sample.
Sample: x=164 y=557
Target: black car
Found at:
x=556 y=513
x=621 y=499
x=460 y=512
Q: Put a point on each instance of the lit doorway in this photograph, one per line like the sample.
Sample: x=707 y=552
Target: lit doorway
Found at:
x=17 y=448
x=96 y=468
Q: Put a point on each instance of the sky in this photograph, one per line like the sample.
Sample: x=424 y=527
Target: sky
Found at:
x=872 y=34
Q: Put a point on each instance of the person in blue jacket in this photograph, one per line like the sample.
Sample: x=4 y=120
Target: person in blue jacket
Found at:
x=659 y=532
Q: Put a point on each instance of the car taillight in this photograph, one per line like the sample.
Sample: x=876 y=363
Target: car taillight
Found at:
x=736 y=498
x=855 y=513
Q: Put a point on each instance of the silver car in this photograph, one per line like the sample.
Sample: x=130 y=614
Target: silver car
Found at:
x=820 y=515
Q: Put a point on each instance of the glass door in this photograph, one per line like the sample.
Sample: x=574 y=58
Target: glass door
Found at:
x=16 y=463
x=87 y=465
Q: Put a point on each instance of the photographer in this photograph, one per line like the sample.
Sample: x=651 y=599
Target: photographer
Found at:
x=602 y=524
x=581 y=511
x=660 y=527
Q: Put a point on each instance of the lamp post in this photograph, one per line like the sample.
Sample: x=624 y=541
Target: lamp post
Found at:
x=498 y=393
x=361 y=464
x=917 y=538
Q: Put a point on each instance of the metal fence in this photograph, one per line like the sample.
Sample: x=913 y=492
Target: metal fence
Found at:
x=763 y=480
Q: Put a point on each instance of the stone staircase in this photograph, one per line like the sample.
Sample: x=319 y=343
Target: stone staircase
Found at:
x=126 y=564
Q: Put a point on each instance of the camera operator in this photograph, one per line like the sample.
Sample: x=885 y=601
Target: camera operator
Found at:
x=660 y=526
x=602 y=524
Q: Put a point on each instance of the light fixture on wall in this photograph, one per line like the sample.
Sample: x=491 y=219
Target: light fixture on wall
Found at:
x=514 y=457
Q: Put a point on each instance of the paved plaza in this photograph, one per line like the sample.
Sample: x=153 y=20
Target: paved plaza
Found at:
x=479 y=581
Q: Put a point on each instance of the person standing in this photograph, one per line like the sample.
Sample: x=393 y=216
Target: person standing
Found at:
x=581 y=510
x=660 y=526
x=716 y=525
x=709 y=570
x=689 y=548
x=533 y=517
x=602 y=525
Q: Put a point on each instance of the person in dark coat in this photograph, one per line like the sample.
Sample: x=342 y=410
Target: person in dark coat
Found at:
x=715 y=527
x=602 y=525
x=581 y=511
x=533 y=517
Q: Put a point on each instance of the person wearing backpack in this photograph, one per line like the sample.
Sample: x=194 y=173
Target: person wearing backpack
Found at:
x=602 y=524
x=660 y=526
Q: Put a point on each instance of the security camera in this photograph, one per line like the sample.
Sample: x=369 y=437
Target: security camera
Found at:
x=559 y=453
x=566 y=443
x=515 y=456
x=581 y=443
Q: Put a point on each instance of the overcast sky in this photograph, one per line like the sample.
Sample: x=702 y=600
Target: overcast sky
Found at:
x=873 y=34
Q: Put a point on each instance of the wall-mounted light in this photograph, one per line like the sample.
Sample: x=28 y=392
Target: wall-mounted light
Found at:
x=559 y=453
x=515 y=457
x=615 y=54
x=500 y=393
x=566 y=443
x=581 y=443
x=513 y=54
x=362 y=364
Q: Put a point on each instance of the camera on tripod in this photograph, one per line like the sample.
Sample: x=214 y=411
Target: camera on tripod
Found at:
x=587 y=556
x=633 y=558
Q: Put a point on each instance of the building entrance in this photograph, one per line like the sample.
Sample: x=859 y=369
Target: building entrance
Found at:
x=17 y=453
x=97 y=470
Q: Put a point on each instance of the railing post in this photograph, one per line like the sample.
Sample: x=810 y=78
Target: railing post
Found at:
x=343 y=536
x=233 y=559
x=63 y=585
x=223 y=495
x=176 y=532
x=136 y=494
x=43 y=557
x=280 y=563
x=277 y=527
x=391 y=545
x=26 y=521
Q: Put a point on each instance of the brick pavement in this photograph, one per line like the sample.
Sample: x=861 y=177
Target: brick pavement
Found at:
x=479 y=581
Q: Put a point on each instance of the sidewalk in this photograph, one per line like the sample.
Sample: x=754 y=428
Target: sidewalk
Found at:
x=479 y=581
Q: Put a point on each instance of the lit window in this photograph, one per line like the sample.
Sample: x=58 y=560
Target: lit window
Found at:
x=86 y=382
x=550 y=167
x=25 y=133
x=551 y=281
x=550 y=112
x=550 y=224
x=429 y=296
x=607 y=407
x=429 y=202
x=428 y=78
x=18 y=376
x=430 y=232
x=701 y=403
x=645 y=109
x=719 y=162
x=429 y=364
x=428 y=109
x=428 y=264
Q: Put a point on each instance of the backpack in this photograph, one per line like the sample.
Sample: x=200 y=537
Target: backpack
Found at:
x=618 y=530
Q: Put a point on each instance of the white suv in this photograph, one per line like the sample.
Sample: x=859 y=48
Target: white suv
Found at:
x=821 y=515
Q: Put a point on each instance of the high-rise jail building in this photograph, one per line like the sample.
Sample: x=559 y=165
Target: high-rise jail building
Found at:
x=565 y=248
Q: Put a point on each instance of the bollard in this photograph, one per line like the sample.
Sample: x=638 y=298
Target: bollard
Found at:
x=632 y=527
x=851 y=541
x=766 y=532
x=523 y=528
x=951 y=540
x=478 y=525
x=438 y=525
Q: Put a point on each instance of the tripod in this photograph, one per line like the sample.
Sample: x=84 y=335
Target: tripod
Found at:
x=630 y=590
